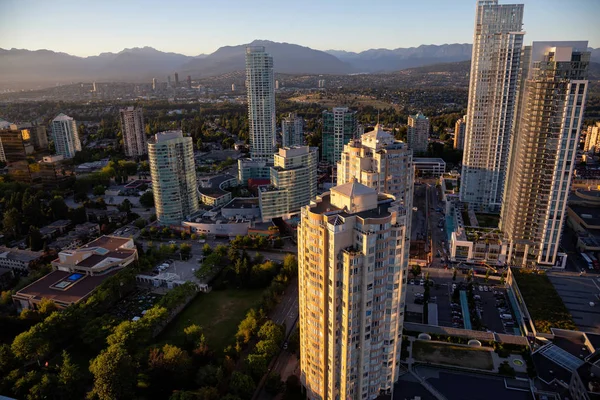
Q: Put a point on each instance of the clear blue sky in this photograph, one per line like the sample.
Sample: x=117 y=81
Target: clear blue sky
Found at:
x=191 y=27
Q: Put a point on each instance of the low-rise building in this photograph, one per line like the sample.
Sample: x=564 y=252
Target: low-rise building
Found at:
x=429 y=166
x=77 y=273
x=242 y=208
x=212 y=190
x=20 y=261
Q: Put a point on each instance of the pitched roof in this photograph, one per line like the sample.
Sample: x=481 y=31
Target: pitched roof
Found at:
x=352 y=189
x=62 y=117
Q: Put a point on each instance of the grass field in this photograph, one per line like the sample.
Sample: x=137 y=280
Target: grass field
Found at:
x=450 y=354
x=218 y=313
x=543 y=302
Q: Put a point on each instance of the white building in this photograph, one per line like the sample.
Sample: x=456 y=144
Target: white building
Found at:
x=292 y=130
x=381 y=162
x=260 y=87
x=429 y=166
x=592 y=138
x=293 y=182
x=352 y=262
x=418 y=133
x=133 y=129
x=543 y=152
x=496 y=59
x=173 y=171
x=65 y=136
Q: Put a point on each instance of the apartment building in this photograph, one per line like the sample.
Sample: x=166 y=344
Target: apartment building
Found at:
x=292 y=130
x=459 y=133
x=65 y=136
x=133 y=129
x=544 y=150
x=173 y=171
x=339 y=128
x=418 y=133
x=352 y=267
x=493 y=87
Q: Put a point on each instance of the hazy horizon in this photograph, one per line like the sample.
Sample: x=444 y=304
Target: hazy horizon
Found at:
x=193 y=28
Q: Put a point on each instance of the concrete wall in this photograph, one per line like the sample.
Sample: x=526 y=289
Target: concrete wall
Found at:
x=219 y=229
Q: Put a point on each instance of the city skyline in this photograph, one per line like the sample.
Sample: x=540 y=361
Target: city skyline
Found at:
x=542 y=21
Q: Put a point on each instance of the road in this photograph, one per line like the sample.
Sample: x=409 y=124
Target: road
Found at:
x=285 y=312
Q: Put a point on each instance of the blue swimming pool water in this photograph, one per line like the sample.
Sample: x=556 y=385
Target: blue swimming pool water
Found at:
x=449 y=226
x=464 y=304
x=74 y=277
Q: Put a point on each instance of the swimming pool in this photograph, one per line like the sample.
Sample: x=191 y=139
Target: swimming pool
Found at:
x=74 y=277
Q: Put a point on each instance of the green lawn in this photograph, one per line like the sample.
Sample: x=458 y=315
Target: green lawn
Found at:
x=450 y=354
x=218 y=313
x=543 y=302
x=488 y=220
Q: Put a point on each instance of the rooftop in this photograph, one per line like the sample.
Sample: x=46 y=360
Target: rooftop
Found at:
x=589 y=215
x=425 y=160
x=167 y=135
x=63 y=287
x=243 y=202
x=62 y=117
x=101 y=252
x=19 y=255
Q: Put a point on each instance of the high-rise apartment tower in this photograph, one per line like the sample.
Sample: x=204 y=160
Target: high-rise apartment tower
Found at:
x=339 y=128
x=418 y=133
x=292 y=130
x=496 y=60
x=133 y=129
x=260 y=87
x=544 y=149
x=173 y=171
x=65 y=136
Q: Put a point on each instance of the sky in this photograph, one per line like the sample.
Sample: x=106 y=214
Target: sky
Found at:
x=192 y=27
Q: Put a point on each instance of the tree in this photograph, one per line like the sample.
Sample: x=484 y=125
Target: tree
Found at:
x=7 y=359
x=59 y=208
x=454 y=275
x=416 y=270
x=140 y=223
x=271 y=331
x=99 y=190
x=147 y=199
x=241 y=385
x=11 y=222
x=69 y=378
x=209 y=375
x=247 y=328
x=194 y=336
x=185 y=250
x=46 y=307
x=267 y=347
x=170 y=364
x=208 y=393
x=257 y=365
x=125 y=206
x=114 y=374
x=45 y=388
x=206 y=250
x=290 y=265
x=258 y=258
x=36 y=241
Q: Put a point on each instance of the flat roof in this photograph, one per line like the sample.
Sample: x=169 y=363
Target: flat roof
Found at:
x=19 y=255
x=325 y=206
x=243 y=202
x=46 y=287
x=593 y=212
x=424 y=160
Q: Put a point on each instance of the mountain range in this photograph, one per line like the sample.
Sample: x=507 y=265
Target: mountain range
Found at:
x=28 y=69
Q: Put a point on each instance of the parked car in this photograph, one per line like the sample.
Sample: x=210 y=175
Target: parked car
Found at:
x=172 y=242
x=411 y=282
x=422 y=282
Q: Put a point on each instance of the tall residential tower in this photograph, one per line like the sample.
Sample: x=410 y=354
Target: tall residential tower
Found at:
x=418 y=133
x=339 y=128
x=260 y=87
x=65 y=136
x=544 y=149
x=496 y=60
x=173 y=171
x=292 y=130
x=352 y=261
x=133 y=129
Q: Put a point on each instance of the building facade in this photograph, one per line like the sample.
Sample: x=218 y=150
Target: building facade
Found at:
x=65 y=136
x=418 y=133
x=459 y=133
x=293 y=182
x=133 y=129
x=352 y=267
x=592 y=138
x=381 y=162
x=260 y=87
x=339 y=128
x=173 y=171
x=15 y=147
x=493 y=87
x=544 y=150
x=34 y=132
x=292 y=130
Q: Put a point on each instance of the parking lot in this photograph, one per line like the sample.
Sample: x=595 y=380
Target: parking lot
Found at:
x=490 y=304
x=184 y=269
x=577 y=293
